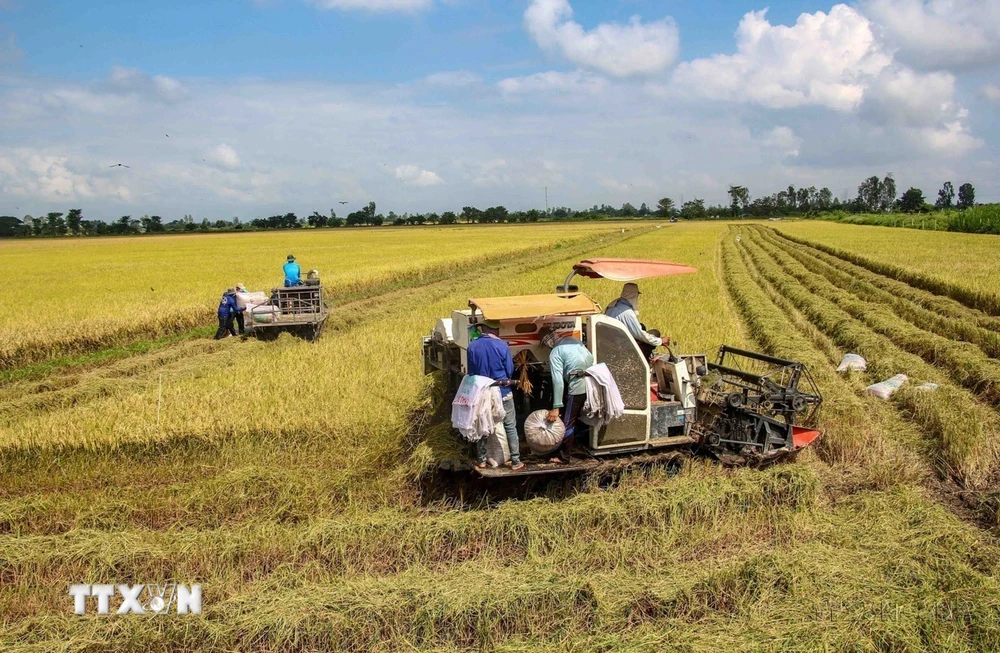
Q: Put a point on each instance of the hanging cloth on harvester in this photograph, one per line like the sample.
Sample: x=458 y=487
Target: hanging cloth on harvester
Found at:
x=477 y=407
x=604 y=401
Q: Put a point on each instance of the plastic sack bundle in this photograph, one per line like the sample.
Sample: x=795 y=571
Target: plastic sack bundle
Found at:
x=542 y=435
x=927 y=387
x=885 y=389
x=247 y=299
x=497 y=449
x=852 y=362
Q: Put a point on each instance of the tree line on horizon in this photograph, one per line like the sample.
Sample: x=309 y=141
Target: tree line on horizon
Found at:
x=875 y=195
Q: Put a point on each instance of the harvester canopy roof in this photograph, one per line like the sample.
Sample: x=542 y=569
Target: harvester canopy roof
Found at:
x=628 y=269
x=528 y=306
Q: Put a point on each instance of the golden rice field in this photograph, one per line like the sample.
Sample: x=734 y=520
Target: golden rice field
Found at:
x=293 y=480
x=102 y=292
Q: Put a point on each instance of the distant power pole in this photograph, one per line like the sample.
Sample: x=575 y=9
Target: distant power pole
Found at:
x=546 y=200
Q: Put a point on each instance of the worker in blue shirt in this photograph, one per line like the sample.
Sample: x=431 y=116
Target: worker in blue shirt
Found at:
x=227 y=310
x=489 y=356
x=293 y=273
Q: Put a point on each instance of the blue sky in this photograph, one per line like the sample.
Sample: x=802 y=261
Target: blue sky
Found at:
x=247 y=107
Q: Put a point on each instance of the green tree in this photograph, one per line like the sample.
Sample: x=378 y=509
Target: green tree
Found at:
x=9 y=226
x=739 y=199
x=471 y=214
x=54 y=224
x=966 y=196
x=946 y=196
x=825 y=199
x=693 y=210
x=887 y=193
x=664 y=208
x=449 y=217
x=912 y=201
x=870 y=194
x=73 y=219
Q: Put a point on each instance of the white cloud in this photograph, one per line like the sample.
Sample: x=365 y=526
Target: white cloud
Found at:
x=992 y=92
x=374 y=5
x=134 y=81
x=453 y=79
x=619 y=50
x=224 y=156
x=824 y=59
x=784 y=140
x=415 y=176
x=54 y=178
x=939 y=33
x=575 y=82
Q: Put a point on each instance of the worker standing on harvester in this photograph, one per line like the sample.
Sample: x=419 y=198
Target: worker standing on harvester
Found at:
x=293 y=273
x=568 y=360
x=625 y=309
x=489 y=356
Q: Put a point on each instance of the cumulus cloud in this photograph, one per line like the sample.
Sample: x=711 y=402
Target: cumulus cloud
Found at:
x=784 y=140
x=824 y=59
x=412 y=175
x=224 y=156
x=55 y=178
x=992 y=92
x=553 y=81
x=132 y=81
x=374 y=5
x=453 y=79
x=939 y=33
x=637 y=48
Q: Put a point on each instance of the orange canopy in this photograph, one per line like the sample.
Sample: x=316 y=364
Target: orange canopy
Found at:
x=531 y=306
x=628 y=269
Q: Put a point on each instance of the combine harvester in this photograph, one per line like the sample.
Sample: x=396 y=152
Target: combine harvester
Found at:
x=744 y=407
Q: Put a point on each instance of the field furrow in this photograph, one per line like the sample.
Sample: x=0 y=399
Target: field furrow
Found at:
x=952 y=327
x=965 y=429
x=982 y=300
x=966 y=364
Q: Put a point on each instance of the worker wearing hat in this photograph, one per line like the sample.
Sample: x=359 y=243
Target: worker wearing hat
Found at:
x=489 y=356
x=240 y=309
x=625 y=309
x=293 y=273
x=227 y=310
x=569 y=358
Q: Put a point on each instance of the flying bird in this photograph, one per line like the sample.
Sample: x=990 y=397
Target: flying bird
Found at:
x=167 y=135
x=119 y=165
x=343 y=202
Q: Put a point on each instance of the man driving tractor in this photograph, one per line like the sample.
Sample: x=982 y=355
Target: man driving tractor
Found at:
x=625 y=309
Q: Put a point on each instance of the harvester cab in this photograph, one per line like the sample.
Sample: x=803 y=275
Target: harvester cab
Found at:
x=743 y=406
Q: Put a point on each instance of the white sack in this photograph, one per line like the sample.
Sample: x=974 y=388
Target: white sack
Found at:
x=852 y=362
x=243 y=299
x=885 y=389
x=497 y=448
x=543 y=436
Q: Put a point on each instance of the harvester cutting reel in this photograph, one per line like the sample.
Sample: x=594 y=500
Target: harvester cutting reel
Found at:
x=752 y=407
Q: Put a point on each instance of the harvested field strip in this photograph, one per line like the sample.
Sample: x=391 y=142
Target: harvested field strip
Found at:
x=699 y=502
x=967 y=365
x=966 y=429
x=986 y=302
x=950 y=327
x=854 y=427
x=114 y=328
x=834 y=568
x=938 y=304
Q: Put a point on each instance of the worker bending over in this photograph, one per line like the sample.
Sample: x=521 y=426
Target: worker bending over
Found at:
x=293 y=273
x=568 y=360
x=227 y=310
x=489 y=356
x=625 y=309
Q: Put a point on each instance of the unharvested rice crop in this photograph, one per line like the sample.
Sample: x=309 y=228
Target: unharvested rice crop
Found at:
x=295 y=481
x=85 y=294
